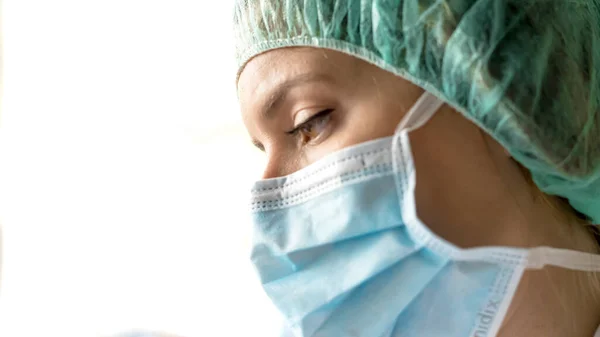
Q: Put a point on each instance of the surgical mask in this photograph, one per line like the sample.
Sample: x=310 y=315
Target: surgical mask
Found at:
x=340 y=250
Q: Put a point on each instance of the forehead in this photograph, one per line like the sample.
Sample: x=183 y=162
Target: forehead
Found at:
x=267 y=70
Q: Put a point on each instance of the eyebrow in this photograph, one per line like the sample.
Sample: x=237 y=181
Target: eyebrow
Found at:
x=280 y=93
x=258 y=145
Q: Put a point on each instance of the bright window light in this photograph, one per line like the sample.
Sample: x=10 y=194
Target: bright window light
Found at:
x=124 y=171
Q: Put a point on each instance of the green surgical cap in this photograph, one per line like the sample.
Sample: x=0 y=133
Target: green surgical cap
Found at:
x=525 y=71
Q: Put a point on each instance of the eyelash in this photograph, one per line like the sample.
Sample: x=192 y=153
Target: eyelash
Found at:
x=312 y=119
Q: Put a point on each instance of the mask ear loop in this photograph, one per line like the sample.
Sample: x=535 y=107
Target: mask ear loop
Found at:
x=419 y=114
x=540 y=257
x=405 y=176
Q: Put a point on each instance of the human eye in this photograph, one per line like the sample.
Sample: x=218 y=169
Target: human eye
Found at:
x=314 y=128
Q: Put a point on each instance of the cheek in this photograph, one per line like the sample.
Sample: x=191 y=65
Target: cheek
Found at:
x=369 y=122
x=359 y=124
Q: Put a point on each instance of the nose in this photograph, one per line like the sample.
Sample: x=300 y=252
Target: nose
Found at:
x=271 y=170
x=268 y=173
x=278 y=165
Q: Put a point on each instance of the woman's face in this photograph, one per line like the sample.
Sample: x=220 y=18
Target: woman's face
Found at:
x=300 y=104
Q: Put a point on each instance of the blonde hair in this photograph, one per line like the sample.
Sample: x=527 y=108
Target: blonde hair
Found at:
x=588 y=283
x=563 y=208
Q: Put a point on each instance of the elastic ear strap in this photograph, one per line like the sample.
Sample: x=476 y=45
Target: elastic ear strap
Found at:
x=568 y=259
x=421 y=112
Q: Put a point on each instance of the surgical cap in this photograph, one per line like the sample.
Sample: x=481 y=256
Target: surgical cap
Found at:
x=525 y=71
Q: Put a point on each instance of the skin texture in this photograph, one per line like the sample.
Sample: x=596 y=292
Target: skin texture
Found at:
x=469 y=190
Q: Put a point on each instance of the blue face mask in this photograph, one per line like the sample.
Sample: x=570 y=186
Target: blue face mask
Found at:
x=341 y=252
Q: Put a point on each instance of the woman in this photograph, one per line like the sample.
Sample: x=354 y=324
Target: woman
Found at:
x=433 y=166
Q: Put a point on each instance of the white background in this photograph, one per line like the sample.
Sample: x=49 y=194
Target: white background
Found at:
x=124 y=171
